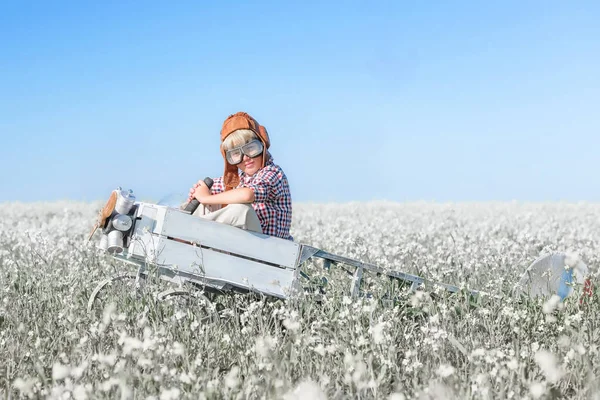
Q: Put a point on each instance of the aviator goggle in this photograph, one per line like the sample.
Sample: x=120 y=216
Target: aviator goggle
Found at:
x=251 y=149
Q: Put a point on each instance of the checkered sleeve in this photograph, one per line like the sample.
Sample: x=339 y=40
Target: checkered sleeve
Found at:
x=218 y=186
x=267 y=184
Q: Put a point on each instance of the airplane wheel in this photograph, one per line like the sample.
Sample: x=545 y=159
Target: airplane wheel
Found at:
x=114 y=288
x=194 y=301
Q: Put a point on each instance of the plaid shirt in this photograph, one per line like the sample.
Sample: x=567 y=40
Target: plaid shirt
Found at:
x=272 y=198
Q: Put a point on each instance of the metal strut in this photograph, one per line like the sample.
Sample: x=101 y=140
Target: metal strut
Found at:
x=415 y=281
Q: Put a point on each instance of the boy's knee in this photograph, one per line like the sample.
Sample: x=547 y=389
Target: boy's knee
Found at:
x=245 y=217
x=240 y=208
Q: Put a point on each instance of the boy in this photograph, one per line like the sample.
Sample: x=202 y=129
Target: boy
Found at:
x=253 y=192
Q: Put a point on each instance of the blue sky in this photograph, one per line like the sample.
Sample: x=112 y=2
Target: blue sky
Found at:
x=404 y=101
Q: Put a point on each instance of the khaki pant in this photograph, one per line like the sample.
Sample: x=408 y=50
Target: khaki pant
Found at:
x=239 y=215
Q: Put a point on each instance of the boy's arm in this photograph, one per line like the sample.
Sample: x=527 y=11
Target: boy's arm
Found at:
x=268 y=183
x=233 y=196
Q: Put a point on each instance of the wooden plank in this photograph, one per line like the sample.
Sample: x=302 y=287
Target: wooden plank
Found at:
x=212 y=234
x=223 y=267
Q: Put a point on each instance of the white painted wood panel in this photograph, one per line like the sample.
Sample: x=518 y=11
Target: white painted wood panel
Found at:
x=214 y=265
x=143 y=241
x=227 y=238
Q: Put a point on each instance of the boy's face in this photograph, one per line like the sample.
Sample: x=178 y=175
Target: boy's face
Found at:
x=250 y=166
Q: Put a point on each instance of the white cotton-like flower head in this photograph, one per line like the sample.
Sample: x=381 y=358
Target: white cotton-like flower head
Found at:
x=170 y=394
x=291 y=324
x=564 y=341
x=445 y=370
x=306 y=390
x=480 y=352
x=320 y=349
x=80 y=393
x=571 y=259
x=397 y=396
x=178 y=349
x=131 y=344
x=263 y=346
x=77 y=372
x=549 y=365
x=109 y=359
x=551 y=305
x=25 y=386
x=108 y=313
x=512 y=364
x=537 y=390
x=417 y=298
x=60 y=371
x=377 y=332
x=231 y=380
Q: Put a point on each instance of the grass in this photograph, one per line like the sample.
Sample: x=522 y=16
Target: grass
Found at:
x=338 y=348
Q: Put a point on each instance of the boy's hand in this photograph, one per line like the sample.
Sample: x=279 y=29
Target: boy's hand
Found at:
x=198 y=191
x=192 y=190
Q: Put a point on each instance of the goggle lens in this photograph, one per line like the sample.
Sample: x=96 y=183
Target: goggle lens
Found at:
x=251 y=149
x=235 y=156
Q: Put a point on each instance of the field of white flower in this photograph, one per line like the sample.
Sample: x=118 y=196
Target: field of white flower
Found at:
x=335 y=349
